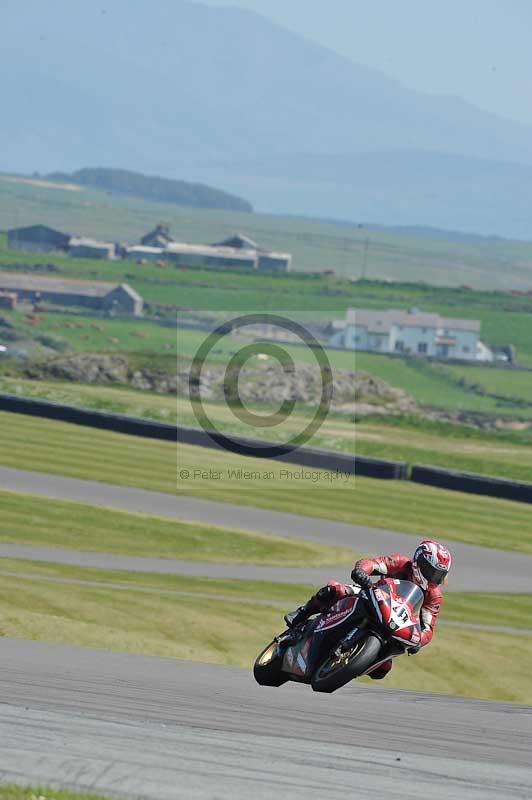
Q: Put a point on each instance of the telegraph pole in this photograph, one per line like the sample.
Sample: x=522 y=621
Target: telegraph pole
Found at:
x=364 y=253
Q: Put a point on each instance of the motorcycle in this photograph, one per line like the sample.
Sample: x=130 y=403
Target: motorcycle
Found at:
x=348 y=640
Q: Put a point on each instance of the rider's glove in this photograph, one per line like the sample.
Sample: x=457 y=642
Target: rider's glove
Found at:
x=362 y=578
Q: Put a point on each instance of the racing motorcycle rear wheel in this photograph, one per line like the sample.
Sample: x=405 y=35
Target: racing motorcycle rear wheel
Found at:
x=267 y=669
x=344 y=665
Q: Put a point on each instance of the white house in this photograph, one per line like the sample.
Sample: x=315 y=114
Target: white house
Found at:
x=412 y=332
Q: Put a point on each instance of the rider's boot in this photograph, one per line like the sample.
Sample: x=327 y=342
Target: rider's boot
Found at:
x=315 y=604
x=300 y=615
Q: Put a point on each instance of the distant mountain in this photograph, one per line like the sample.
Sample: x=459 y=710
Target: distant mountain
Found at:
x=150 y=187
x=222 y=95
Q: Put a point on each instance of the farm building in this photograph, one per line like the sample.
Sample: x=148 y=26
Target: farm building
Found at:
x=8 y=300
x=80 y=247
x=112 y=297
x=274 y=262
x=235 y=251
x=239 y=242
x=159 y=237
x=266 y=260
x=142 y=252
x=207 y=255
x=412 y=332
x=37 y=238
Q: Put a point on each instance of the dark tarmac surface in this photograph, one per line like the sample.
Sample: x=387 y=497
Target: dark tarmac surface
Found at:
x=163 y=729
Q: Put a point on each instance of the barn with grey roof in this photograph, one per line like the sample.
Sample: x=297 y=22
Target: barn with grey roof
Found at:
x=37 y=239
x=99 y=295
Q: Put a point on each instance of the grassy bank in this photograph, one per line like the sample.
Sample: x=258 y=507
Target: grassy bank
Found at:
x=233 y=630
x=506 y=454
x=489 y=389
x=469 y=663
x=29 y=520
x=459 y=607
x=63 y=449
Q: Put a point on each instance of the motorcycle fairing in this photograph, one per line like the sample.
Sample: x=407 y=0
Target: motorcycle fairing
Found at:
x=397 y=603
x=389 y=650
x=337 y=614
x=301 y=657
x=295 y=660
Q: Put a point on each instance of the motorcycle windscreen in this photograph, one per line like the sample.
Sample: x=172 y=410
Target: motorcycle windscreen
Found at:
x=411 y=594
x=399 y=603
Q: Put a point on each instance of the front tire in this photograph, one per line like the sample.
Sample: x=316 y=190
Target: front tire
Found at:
x=336 y=671
x=267 y=668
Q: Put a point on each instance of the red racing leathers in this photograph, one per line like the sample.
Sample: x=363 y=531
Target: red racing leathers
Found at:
x=393 y=566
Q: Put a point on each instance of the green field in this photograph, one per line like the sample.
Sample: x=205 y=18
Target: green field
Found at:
x=504 y=317
x=59 y=448
x=316 y=245
x=422 y=269
x=80 y=333
x=497 y=391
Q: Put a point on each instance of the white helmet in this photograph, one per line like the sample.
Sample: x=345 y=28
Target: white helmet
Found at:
x=431 y=563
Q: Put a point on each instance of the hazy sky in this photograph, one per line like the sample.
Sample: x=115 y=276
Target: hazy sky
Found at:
x=478 y=49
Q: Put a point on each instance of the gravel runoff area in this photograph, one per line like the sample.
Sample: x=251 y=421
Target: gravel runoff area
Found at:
x=165 y=730
x=475 y=568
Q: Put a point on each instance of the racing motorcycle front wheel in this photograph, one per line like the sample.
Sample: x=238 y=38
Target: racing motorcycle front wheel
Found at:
x=267 y=669
x=345 y=664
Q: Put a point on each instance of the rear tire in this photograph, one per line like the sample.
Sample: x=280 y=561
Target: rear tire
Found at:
x=335 y=672
x=267 y=669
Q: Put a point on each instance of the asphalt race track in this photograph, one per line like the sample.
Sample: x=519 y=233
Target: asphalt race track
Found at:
x=163 y=729
x=474 y=568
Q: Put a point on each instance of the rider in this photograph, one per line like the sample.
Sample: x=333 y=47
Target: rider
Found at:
x=428 y=568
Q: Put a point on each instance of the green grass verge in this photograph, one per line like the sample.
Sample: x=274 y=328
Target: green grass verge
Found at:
x=459 y=661
x=14 y=792
x=28 y=520
x=242 y=591
x=506 y=454
x=114 y=399
x=48 y=446
x=469 y=663
x=501 y=454
x=511 y=609
x=63 y=449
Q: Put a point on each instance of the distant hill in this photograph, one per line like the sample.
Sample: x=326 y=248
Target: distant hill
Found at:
x=404 y=188
x=151 y=187
x=222 y=95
